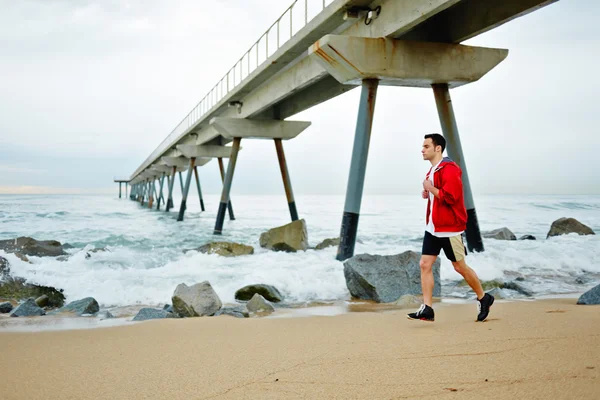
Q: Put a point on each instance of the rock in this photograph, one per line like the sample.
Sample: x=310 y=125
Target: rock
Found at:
x=4 y=268
x=31 y=247
x=18 y=289
x=98 y=250
x=258 y=304
x=385 y=278
x=269 y=292
x=27 y=309
x=225 y=249
x=89 y=305
x=22 y=257
x=581 y=280
x=499 y=234
x=196 y=301
x=291 y=237
x=590 y=297
x=104 y=315
x=489 y=285
x=328 y=243
x=42 y=301
x=498 y=293
x=168 y=307
x=408 y=300
x=564 y=226
x=151 y=313
x=517 y=288
x=238 y=312
x=5 y=307
x=527 y=237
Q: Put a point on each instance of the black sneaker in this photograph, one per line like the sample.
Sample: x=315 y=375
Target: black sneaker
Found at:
x=483 y=306
x=425 y=313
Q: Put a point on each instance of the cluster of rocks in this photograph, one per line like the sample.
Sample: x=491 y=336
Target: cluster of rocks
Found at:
x=562 y=226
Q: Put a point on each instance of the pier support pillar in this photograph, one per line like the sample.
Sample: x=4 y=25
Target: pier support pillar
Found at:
x=119 y=189
x=227 y=186
x=285 y=176
x=199 y=188
x=358 y=166
x=151 y=190
x=186 y=189
x=126 y=185
x=454 y=149
x=229 y=205
x=171 y=184
x=160 y=193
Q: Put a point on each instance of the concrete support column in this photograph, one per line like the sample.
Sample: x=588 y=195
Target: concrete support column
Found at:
x=454 y=149
x=171 y=184
x=181 y=181
x=160 y=194
x=126 y=185
x=143 y=194
x=227 y=186
x=229 y=205
x=285 y=176
x=358 y=166
x=151 y=192
x=119 y=189
x=186 y=189
x=199 y=188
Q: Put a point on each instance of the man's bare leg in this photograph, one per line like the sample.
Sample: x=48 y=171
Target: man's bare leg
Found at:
x=470 y=276
x=427 y=282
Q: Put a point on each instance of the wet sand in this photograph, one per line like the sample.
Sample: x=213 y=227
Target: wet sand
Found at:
x=546 y=349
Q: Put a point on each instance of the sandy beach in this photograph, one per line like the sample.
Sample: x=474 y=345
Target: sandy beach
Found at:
x=546 y=349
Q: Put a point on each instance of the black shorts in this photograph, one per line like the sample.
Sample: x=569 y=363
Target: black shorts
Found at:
x=454 y=247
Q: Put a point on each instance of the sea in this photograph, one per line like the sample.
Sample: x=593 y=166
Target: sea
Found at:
x=145 y=260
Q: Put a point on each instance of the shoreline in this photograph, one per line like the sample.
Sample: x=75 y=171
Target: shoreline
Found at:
x=536 y=349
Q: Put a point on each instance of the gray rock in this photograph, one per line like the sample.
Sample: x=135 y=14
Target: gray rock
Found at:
x=88 y=254
x=196 y=301
x=258 y=304
x=6 y=307
x=151 y=313
x=517 y=288
x=581 y=280
x=238 y=312
x=168 y=307
x=385 y=278
x=499 y=234
x=19 y=289
x=104 y=315
x=564 y=226
x=498 y=293
x=527 y=237
x=4 y=268
x=591 y=297
x=32 y=247
x=225 y=249
x=27 y=309
x=328 y=243
x=290 y=238
x=89 y=305
x=267 y=291
x=42 y=301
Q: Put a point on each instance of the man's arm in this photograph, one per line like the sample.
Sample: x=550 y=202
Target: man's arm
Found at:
x=451 y=189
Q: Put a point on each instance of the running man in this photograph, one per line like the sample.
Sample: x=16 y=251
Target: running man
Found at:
x=446 y=220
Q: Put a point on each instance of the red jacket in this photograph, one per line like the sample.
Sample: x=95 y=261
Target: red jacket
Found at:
x=449 y=213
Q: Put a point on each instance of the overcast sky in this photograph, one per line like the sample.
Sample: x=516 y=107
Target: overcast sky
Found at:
x=88 y=89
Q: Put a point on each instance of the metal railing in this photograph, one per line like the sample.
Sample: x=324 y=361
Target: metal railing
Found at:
x=294 y=18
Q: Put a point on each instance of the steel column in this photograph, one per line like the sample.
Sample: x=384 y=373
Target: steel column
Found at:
x=171 y=184
x=229 y=204
x=160 y=194
x=358 y=167
x=126 y=185
x=285 y=176
x=454 y=148
x=227 y=185
x=119 y=189
x=151 y=190
x=199 y=189
x=186 y=189
x=181 y=181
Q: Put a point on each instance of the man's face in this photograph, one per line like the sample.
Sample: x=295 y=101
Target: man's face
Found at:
x=429 y=149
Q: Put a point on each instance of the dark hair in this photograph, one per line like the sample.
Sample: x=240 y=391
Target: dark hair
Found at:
x=437 y=139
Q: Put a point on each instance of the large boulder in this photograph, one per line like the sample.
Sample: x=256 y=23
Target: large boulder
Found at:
x=196 y=301
x=5 y=307
x=499 y=234
x=226 y=249
x=4 y=268
x=237 y=312
x=590 y=297
x=27 y=309
x=31 y=247
x=19 y=289
x=291 y=237
x=267 y=291
x=564 y=226
x=385 y=278
x=527 y=237
x=151 y=313
x=88 y=305
x=258 y=305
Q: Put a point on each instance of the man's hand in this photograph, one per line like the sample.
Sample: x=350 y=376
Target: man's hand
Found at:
x=425 y=194
x=427 y=185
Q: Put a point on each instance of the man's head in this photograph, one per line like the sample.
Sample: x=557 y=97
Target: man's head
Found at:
x=433 y=146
